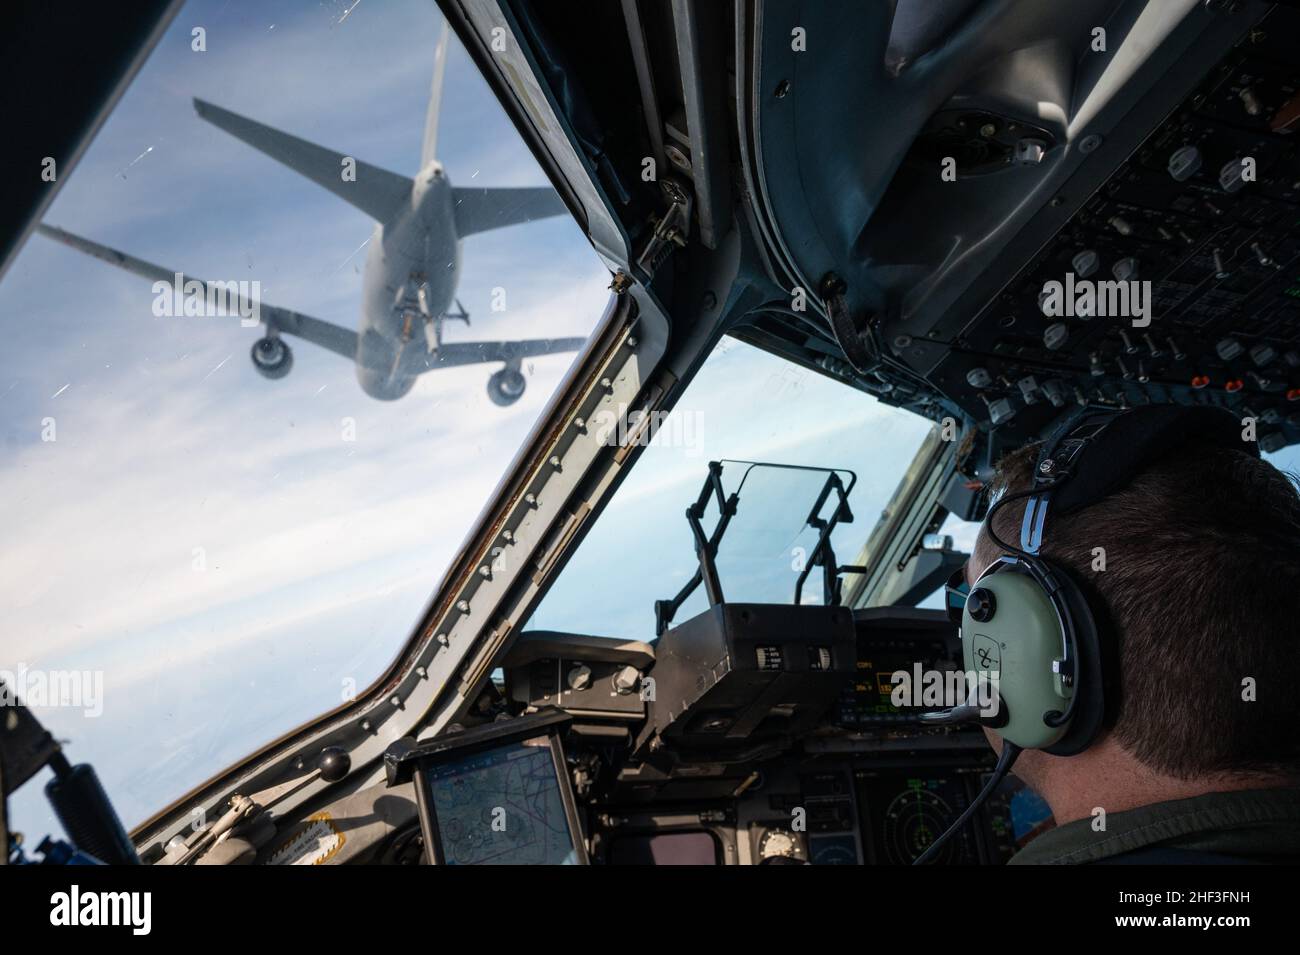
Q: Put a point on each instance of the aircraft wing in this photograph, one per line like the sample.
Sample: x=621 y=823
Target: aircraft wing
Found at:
x=481 y=209
x=474 y=353
x=335 y=338
x=341 y=341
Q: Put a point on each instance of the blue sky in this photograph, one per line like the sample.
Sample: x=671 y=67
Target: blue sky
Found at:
x=319 y=554
x=748 y=405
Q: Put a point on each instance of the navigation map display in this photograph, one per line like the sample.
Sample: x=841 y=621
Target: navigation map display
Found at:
x=501 y=806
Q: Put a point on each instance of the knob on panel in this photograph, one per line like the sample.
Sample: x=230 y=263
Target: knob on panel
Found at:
x=626 y=679
x=1184 y=163
x=334 y=763
x=579 y=677
x=1085 y=263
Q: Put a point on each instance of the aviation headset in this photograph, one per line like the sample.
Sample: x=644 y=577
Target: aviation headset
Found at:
x=1029 y=619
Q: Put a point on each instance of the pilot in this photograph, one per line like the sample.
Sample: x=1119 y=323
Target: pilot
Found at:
x=1197 y=759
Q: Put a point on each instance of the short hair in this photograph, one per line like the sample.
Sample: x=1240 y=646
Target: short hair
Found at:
x=1202 y=589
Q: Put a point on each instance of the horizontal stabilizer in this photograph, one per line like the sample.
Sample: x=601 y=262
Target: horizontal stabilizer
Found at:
x=335 y=338
x=481 y=209
x=474 y=353
x=377 y=192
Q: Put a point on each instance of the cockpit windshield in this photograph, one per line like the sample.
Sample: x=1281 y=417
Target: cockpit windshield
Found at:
x=747 y=404
x=282 y=330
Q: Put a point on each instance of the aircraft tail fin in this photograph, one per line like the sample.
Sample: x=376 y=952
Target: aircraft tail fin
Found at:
x=429 y=149
x=377 y=192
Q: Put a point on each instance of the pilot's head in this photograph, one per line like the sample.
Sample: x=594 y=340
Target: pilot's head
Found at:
x=1196 y=563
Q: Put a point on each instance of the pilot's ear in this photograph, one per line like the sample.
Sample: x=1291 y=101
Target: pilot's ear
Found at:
x=982 y=556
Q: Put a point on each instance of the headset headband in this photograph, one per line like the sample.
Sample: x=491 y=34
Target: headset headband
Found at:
x=1122 y=444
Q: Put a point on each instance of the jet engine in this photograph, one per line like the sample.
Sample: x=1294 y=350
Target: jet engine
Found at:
x=506 y=386
x=272 y=357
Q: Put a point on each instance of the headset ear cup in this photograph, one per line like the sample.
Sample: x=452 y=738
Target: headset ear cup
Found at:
x=1091 y=669
x=1019 y=641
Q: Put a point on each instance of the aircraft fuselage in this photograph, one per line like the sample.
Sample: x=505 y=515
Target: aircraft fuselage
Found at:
x=412 y=265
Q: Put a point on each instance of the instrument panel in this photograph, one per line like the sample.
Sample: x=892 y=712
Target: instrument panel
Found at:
x=1206 y=212
x=866 y=784
x=904 y=813
x=888 y=812
x=890 y=639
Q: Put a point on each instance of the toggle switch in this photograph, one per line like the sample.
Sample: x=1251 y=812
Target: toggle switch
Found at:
x=1028 y=386
x=1220 y=267
x=1250 y=102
